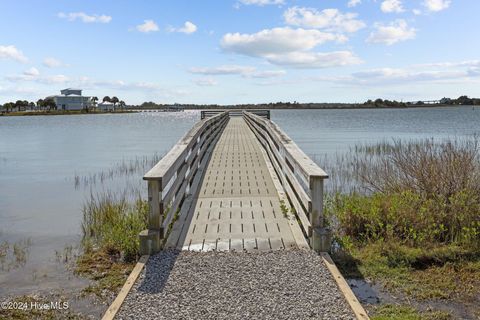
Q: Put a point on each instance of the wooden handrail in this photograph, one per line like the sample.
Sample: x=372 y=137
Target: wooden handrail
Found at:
x=301 y=178
x=235 y=112
x=170 y=180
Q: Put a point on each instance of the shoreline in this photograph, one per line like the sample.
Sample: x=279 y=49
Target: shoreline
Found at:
x=332 y=107
x=60 y=113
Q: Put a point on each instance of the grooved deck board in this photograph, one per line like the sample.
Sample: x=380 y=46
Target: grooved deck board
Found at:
x=238 y=207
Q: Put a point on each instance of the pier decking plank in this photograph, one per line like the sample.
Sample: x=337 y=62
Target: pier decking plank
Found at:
x=238 y=207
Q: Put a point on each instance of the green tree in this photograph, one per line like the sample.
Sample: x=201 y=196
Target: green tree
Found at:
x=9 y=106
x=50 y=104
x=114 y=100
x=21 y=105
x=94 y=100
x=122 y=104
x=107 y=99
x=40 y=104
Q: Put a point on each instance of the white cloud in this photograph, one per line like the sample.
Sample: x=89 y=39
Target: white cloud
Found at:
x=433 y=73
x=328 y=19
x=417 y=12
x=33 y=75
x=276 y=41
x=466 y=63
x=392 y=6
x=244 y=71
x=94 y=18
x=59 y=78
x=32 y=72
x=353 y=3
x=392 y=33
x=300 y=59
x=436 y=5
x=11 y=52
x=223 y=70
x=267 y=74
x=188 y=28
x=205 y=82
x=289 y=47
x=390 y=75
x=53 y=63
x=262 y=2
x=147 y=26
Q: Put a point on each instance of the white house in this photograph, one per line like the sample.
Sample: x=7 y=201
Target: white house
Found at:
x=72 y=99
x=106 y=106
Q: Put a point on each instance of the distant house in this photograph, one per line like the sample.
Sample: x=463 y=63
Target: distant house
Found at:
x=446 y=101
x=72 y=99
x=106 y=106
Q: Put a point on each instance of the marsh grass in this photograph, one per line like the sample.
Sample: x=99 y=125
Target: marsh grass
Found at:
x=114 y=213
x=125 y=168
x=418 y=192
x=67 y=255
x=407 y=214
x=110 y=227
x=14 y=255
x=112 y=223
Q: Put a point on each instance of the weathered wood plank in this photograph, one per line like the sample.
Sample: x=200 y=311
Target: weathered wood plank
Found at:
x=168 y=165
x=301 y=178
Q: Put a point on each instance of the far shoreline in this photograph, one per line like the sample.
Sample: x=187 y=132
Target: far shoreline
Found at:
x=243 y=107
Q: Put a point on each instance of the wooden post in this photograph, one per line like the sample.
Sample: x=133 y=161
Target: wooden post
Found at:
x=150 y=239
x=321 y=236
x=154 y=217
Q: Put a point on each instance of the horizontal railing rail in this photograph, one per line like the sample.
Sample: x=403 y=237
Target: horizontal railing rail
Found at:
x=301 y=178
x=170 y=180
x=234 y=113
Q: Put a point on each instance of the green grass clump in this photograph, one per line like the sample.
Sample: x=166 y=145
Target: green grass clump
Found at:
x=399 y=312
x=408 y=218
x=113 y=225
x=110 y=241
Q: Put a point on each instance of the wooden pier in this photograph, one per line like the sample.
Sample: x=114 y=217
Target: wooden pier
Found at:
x=242 y=195
x=235 y=181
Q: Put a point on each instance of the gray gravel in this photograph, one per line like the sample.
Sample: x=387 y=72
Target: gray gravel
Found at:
x=286 y=284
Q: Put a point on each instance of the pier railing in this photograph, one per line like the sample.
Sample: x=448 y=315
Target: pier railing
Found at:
x=301 y=178
x=234 y=113
x=175 y=177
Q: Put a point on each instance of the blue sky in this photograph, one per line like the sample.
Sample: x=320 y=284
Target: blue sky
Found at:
x=240 y=51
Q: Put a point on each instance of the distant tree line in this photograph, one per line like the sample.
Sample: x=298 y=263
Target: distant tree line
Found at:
x=462 y=100
x=378 y=103
x=23 y=105
x=49 y=104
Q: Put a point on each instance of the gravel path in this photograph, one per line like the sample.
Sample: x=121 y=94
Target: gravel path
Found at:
x=285 y=284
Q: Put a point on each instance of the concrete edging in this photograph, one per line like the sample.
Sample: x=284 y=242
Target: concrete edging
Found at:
x=342 y=284
x=132 y=278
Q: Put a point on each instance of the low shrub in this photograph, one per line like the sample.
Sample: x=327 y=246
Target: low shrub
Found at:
x=407 y=217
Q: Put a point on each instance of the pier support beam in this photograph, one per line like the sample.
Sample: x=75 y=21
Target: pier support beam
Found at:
x=321 y=238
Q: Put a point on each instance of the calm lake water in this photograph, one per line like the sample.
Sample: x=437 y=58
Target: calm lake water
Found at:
x=47 y=165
